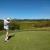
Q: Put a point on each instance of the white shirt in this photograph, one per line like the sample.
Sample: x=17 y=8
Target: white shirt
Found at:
x=6 y=22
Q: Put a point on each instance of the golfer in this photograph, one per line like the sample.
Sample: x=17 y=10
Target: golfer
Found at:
x=6 y=27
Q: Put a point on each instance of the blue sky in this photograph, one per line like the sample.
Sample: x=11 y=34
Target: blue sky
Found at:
x=25 y=9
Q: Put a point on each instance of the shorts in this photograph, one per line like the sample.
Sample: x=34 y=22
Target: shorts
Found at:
x=6 y=27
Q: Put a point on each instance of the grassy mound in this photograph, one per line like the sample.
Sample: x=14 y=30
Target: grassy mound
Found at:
x=27 y=40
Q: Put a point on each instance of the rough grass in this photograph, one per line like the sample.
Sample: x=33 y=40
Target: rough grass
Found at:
x=27 y=40
x=28 y=28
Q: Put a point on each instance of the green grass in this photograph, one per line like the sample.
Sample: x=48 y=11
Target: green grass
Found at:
x=27 y=40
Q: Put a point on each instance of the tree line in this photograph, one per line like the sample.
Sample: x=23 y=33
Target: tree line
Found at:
x=19 y=24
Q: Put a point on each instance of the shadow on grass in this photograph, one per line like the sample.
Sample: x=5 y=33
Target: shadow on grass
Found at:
x=10 y=36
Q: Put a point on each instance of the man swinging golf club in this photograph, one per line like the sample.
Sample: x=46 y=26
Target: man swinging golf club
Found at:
x=6 y=27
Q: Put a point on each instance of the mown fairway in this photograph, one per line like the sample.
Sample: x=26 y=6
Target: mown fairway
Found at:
x=27 y=40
